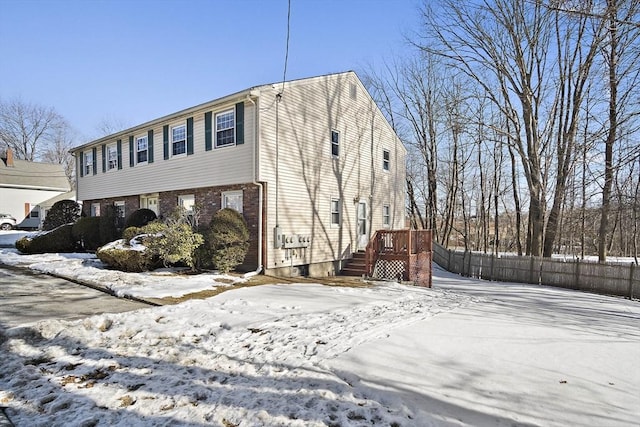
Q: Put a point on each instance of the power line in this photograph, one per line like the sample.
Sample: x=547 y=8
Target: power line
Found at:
x=286 y=54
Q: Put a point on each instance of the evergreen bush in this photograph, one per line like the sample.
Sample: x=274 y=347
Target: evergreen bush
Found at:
x=62 y=212
x=86 y=231
x=203 y=255
x=108 y=225
x=172 y=243
x=140 y=218
x=123 y=258
x=228 y=239
x=58 y=240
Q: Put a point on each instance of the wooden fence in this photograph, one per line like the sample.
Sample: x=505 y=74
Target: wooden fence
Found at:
x=610 y=278
x=400 y=254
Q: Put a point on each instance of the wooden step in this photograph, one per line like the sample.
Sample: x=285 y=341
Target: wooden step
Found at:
x=356 y=266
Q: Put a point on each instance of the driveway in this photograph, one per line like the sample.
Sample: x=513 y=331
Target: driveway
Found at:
x=28 y=297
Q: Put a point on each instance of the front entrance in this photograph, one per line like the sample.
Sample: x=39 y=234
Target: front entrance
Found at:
x=363 y=236
x=149 y=202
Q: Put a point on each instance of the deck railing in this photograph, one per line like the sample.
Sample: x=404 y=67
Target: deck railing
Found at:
x=400 y=254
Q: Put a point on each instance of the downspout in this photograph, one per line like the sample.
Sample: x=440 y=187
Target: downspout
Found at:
x=256 y=158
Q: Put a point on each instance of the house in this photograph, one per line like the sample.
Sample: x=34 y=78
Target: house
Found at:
x=25 y=184
x=312 y=164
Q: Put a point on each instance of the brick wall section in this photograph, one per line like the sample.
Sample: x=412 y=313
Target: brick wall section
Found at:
x=131 y=203
x=209 y=200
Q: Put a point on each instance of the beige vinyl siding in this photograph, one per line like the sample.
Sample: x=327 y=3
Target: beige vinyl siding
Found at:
x=309 y=177
x=220 y=166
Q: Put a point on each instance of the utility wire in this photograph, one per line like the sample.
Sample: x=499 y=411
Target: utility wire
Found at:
x=286 y=54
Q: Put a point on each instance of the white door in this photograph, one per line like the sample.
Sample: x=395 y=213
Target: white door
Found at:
x=362 y=226
x=152 y=203
x=149 y=202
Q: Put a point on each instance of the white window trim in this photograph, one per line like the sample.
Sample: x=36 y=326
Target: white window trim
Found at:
x=331 y=212
x=171 y=128
x=337 y=144
x=95 y=209
x=136 y=151
x=88 y=163
x=225 y=194
x=118 y=204
x=190 y=197
x=388 y=161
x=115 y=148
x=216 y=130
x=386 y=215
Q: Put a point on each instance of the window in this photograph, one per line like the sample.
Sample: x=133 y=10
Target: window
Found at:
x=120 y=213
x=95 y=209
x=187 y=201
x=232 y=200
x=35 y=213
x=385 y=160
x=179 y=140
x=335 y=143
x=335 y=212
x=142 y=149
x=225 y=129
x=112 y=157
x=88 y=163
x=386 y=215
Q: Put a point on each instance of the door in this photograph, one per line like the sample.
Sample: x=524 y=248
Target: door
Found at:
x=150 y=202
x=362 y=234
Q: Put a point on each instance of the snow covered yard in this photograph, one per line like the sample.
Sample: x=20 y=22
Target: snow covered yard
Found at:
x=464 y=353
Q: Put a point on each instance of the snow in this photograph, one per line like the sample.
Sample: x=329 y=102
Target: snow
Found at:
x=465 y=353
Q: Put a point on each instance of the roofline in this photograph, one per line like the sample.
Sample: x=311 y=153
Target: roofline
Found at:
x=151 y=123
x=35 y=187
x=187 y=111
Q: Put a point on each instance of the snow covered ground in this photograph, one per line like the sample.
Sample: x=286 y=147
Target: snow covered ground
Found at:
x=465 y=353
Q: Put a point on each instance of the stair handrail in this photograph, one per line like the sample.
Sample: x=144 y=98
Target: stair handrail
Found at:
x=370 y=254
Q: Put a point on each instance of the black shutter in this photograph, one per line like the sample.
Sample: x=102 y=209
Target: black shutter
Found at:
x=131 y=158
x=165 y=141
x=119 y=148
x=150 y=146
x=81 y=154
x=95 y=160
x=104 y=158
x=208 y=140
x=240 y=123
x=190 y=136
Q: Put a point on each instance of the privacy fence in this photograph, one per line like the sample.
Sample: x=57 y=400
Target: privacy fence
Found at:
x=610 y=278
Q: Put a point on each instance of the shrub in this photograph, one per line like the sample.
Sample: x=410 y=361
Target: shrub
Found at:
x=131 y=232
x=121 y=257
x=86 y=231
x=172 y=243
x=203 y=255
x=62 y=212
x=228 y=239
x=54 y=241
x=140 y=218
x=109 y=224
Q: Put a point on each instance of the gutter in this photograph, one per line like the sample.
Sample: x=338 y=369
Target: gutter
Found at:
x=256 y=159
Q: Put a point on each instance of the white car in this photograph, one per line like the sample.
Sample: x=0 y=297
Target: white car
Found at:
x=7 y=222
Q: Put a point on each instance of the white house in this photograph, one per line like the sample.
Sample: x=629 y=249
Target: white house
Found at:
x=24 y=185
x=312 y=164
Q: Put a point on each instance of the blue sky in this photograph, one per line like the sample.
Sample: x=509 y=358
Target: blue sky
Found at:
x=135 y=60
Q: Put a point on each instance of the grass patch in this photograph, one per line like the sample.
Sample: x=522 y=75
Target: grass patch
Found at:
x=260 y=280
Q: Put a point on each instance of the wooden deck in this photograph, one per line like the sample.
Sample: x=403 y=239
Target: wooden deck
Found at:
x=400 y=254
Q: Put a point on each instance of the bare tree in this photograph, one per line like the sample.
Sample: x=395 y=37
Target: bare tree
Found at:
x=622 y=57
x=58 y=151
x=28 y=128
x=110 y=125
